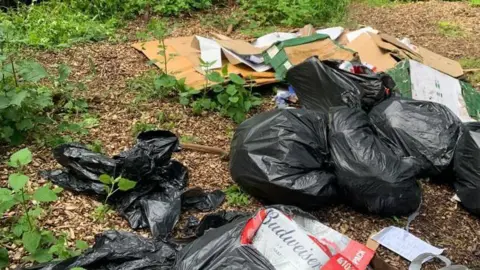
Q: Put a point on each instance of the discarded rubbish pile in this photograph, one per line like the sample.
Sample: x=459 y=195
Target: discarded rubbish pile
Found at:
x=282 y=156
x=323 y=84
x=425 y=130
x=298 y=240
x=372 y=176
x=467 y=167
x=158 y=197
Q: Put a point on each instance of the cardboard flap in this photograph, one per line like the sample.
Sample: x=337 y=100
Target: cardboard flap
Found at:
x=440 y=63
x=307 y=30
x=240 y=47
x=325 y=49
x=370 y=53
x=392 y=40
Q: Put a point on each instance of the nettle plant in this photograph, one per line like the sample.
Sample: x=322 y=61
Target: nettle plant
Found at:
x=111 y=186
x=230 y=99
x=23 y=208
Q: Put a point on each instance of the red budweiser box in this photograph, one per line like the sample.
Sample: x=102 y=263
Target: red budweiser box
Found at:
x=303 y=243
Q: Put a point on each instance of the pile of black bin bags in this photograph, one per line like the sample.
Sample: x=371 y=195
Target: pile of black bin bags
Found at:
x=355 y=144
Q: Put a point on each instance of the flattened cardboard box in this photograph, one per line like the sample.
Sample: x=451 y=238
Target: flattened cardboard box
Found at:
x=184 y=62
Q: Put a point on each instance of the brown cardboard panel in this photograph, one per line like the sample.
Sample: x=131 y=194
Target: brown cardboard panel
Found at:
x=324 y=49
x=307 y=30
x=441 y=63
x=186 y=64
x=370 y=53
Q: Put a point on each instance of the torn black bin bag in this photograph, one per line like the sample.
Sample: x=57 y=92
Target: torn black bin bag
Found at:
x=467 y=168
x=426 y=130
x=114 y=250
x=282 y=156
x=320 y=85
x=371 y=175
x=196 y=198
x=156 y=200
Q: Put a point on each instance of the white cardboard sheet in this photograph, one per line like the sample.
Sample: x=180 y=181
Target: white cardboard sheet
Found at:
x=431 y=85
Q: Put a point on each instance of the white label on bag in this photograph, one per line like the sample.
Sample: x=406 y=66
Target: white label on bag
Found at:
x=272 y=51
x=286 y=245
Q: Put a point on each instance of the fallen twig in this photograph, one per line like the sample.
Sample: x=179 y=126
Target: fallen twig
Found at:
x=206 y=149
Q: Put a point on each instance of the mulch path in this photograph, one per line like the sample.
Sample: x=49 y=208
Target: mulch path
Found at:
x=441 y=222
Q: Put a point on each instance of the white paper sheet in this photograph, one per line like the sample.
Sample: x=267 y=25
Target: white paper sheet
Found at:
x=431 y=85
x=256 y=67
x=354 y=34
x=404 y=243
x=268 y=39
x=210 y=51
x=333 y=32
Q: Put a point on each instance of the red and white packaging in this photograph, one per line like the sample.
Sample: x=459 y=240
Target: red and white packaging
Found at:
x=302 y=243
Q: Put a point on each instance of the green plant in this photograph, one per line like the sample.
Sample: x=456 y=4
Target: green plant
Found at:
x=231 y=100
x=96 y=146
x=295 y=13
x=450 y=29
x=41 y=245
x=111 y=185
x=141 y=127
x=151 y=85
x=236 y=197
x=475 y=3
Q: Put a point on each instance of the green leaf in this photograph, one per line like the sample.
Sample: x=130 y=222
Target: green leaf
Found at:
x=256 y=102
x=206 y=102
x=35 y=213
x=239 y=117
x=32 y=71
x=31 y=240
x=17 y=181
x=218 y=88
x=225 y=70
x=215 y=77
x=236 y=79
x=5 y=195
x=20 y=158
x=247 y=105
x=41 y=256
x=106 y=179
x=222 y=98
x=4 y=102
x=125 y=184
x=233 y=99
x=25 y=124
x=77 y=268
x=63 y=73
x=3 y=258
x=6 y=205
x=45 y=194
x=47 y=238
x=232 y=90
x=18 y=98
x=19 y=228
x=193 y=92
x=184 y=101
x=80 y=244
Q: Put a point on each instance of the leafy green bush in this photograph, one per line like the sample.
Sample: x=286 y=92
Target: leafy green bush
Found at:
x=236 y=196
x=41 y=245
x=295 y=13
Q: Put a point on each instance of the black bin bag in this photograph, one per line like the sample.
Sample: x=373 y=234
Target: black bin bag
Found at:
x=282 y=157
x=426 y=130
x=371 y=174
x=467 y=168
x=320 y=85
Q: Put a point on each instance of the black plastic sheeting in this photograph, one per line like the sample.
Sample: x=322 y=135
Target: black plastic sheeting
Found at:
x=115 y=250
x=467 y=168
x=221 y=248
x=371 y=174
x=426 y=130
x=159 y=196
x=320 y=85
x=282 y=156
